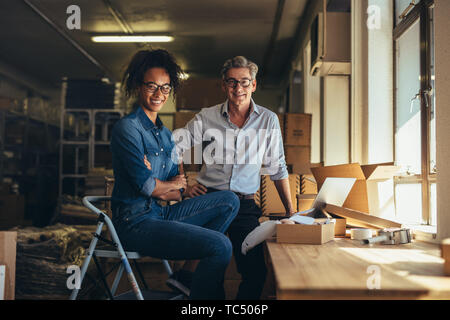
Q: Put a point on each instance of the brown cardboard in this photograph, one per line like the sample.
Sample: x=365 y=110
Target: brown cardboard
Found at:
x=270 y=201
x=361 y=219
x=196 y=94
x=341 y=227
x=359 y=197
x=305 y=201
x=308 y=184
x=181 y=118
x=304 y=234
x=297 y=129
x=380 y=189
x=8 y=241
x=299 y=158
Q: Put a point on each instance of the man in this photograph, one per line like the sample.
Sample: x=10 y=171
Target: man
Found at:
x=244 y=140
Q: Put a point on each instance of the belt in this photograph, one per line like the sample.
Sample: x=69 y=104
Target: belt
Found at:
x=241 y=196
x=245 y=196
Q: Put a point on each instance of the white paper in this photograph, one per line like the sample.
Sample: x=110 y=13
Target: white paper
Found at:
x=303 y=220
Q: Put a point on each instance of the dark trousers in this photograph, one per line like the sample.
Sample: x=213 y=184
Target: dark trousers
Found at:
x=251 y=266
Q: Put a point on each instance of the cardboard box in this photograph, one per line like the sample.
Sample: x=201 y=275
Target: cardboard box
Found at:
x=340 y=228
x=270 y=201
x=298 y=159
x=181 y=118
x=8 y=241
x=12 y=209
x=305 y=201
x=304 y=234
x=372 y=193
x=196 y=94
x=308 y=184
x=297 y=129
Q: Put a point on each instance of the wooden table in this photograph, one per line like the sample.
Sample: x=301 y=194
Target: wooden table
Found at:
x=347 y=269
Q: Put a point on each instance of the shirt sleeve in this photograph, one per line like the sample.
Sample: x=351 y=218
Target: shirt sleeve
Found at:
x=127 y=146
x=277 y=162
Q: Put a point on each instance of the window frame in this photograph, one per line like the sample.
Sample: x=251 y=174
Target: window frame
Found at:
x=426 y=178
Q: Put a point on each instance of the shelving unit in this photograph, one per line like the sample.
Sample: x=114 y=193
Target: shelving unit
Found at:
x=83 y=145
x=84 y=132
x=28 y=160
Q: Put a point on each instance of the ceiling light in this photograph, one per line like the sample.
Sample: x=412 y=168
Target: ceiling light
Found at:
x=132 y=39
x=184 y=76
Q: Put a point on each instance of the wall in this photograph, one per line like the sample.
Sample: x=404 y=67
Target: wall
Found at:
x=372 y=117
x=336 y=120
x=442 y=40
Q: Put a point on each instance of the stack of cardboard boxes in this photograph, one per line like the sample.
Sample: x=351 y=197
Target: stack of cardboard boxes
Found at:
x=196 y=94
x=296 y=132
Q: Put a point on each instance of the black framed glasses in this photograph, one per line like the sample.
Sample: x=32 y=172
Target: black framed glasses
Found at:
x=232 y=83
x=153 y=87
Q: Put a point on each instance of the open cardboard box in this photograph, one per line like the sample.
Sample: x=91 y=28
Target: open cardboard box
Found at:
x=312 y=234
x=305 y=234
x=373 y=192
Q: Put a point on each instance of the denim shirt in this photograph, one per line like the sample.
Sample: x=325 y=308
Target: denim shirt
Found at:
x=133 y=137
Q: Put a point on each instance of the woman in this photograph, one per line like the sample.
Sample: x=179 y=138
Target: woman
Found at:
x=145 y=173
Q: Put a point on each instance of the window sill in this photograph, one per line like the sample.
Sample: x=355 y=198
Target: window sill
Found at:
x=424 y=233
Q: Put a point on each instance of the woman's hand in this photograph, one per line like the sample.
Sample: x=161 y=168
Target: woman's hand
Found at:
x=195 y=190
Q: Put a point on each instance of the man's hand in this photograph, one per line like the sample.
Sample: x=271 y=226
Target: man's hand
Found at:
x=195 y=190
x=179 y=182
x=147 y=163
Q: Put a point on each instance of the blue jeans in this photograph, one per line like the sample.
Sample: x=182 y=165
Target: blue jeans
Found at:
x=189 y=230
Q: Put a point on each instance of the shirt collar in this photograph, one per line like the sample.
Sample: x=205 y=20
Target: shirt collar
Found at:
x=254 y=108
x=146 y=122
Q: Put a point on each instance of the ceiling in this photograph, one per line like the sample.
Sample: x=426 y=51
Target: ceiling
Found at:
x=207 y=32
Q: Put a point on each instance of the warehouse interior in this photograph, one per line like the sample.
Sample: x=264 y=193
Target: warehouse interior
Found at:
x=354 y=82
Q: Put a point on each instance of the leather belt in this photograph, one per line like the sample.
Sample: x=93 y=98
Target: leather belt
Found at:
x=245 y=196
x=241 y=196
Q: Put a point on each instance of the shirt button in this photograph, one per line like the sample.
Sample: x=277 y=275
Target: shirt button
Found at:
x=164 y=166
x=157 y=133
x=162 y=149
x=157 y=154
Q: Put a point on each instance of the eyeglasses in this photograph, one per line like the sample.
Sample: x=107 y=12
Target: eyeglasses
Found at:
x=232 y=83
x=153 y=87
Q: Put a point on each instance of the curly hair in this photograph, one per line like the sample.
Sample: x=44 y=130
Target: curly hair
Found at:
x=144 y=60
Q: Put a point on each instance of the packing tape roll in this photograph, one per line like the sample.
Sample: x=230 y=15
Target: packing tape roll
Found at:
x=361 y=234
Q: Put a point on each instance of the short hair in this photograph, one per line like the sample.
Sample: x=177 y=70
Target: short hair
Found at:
x=240 y=62
x=144 y=60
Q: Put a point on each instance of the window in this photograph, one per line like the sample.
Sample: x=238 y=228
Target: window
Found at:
x=415 y=133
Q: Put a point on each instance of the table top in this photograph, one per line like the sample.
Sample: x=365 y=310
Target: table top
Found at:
x=348 y=269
